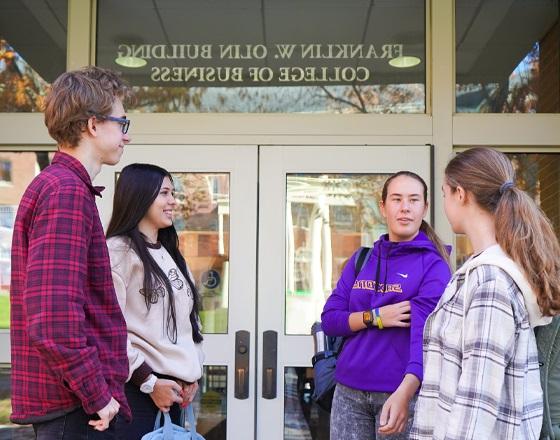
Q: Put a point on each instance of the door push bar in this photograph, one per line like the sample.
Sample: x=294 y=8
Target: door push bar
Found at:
x=242 y=364
x=270 y=350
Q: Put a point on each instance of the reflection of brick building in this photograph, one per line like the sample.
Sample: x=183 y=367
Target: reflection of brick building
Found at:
x=16 y=172
x=22 y=169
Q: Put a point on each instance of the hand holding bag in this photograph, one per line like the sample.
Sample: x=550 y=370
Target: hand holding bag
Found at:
x=170 y=431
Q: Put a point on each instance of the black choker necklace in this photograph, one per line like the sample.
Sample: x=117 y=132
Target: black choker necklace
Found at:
x=155 y=245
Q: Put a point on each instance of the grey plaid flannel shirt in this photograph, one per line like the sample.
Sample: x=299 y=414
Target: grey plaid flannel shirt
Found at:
x=481 y=370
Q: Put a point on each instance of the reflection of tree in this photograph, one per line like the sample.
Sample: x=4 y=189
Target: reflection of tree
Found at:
x=21 y=89
x=526 y=168
x=390 y=98
x=518 y=93
x=193 y=192
x=387 y=98
x=168 y=99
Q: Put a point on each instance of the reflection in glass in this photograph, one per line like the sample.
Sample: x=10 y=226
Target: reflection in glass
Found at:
x=270 y=56
x=507 y=56
x=210 y=404
x=202 y=222
x=32 y=51
x=23 y=168
x=9 y=430
x=539 y=175
x=303 y=418
x=328 y=217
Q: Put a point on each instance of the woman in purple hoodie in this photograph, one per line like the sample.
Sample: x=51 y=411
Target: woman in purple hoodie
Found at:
x=381 y=313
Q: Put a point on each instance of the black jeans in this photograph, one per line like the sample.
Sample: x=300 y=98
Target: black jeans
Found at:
x=144 y=413
x=73 y=426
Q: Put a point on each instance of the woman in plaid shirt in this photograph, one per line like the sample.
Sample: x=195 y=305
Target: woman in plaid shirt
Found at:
x=481 y=370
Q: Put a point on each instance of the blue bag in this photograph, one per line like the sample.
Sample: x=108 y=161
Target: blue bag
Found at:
x=324 y=365
x=324 y=361
x=170 y=431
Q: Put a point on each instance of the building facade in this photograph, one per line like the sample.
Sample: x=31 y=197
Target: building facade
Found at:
x=280 y=121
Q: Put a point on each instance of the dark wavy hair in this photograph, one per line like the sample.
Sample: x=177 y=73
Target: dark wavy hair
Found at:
x=137 y=188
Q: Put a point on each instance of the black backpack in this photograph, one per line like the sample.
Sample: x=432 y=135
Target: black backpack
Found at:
x=548 y=343
x=324 y=362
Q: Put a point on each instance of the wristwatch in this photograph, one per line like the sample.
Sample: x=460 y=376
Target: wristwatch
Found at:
x=148 y=385
x=367 y=318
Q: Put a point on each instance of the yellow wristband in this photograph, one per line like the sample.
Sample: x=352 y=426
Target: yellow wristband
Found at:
x=378 y=318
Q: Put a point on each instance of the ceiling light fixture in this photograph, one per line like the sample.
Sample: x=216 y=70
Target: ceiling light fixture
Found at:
x=404 y=62
x=131 y=62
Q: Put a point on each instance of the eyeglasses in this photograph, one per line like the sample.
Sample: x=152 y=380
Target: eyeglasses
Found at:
x=125 y=123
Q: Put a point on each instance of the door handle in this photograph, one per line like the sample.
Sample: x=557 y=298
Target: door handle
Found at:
x=270 y=350
x=242 y=364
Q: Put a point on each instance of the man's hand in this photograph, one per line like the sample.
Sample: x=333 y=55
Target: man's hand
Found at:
x=166 y=393
x=105 y=414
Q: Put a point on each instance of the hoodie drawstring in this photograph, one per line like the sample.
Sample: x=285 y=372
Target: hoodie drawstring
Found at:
x=386 y=269
x=378 y=270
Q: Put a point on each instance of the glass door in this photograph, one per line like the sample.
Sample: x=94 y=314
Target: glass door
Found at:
x=317 y=205
x=216 y=215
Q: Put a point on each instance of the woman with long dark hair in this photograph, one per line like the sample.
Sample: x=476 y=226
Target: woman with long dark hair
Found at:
x=381 y=312
x=158 y=298
x=481 y=365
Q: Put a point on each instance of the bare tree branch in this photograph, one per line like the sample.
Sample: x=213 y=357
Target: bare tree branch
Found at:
x=345 y=101
x=359 y=95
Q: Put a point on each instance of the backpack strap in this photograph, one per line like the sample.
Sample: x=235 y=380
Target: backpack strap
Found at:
x=362 y=258
x=548 y=344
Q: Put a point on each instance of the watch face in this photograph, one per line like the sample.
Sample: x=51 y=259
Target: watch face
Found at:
x=148 y=386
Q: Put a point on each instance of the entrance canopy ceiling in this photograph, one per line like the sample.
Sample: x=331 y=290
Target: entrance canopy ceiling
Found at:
x=492 y=37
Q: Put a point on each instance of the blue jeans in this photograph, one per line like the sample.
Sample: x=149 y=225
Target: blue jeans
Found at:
x=73 y=426
x=144 y=413
x=355 y=415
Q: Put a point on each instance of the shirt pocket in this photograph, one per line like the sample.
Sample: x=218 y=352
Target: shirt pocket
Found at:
x=449 y=326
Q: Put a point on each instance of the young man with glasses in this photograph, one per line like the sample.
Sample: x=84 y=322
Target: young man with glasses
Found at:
x=68 y=335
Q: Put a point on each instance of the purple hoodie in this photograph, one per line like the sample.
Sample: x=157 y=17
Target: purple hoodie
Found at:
x=374 y=359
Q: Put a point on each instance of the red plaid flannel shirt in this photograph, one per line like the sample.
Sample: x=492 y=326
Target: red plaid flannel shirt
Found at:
x=68 y=334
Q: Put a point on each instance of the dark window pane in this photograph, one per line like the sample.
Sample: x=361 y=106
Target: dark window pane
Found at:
x=5 y=171
x=211 y=403
x=9 y=430
x=268 y=56
x=508 y=56
x=303 y=418
x=32 y=51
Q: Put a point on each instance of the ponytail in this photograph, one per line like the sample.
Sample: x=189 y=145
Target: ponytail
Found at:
x=526 y=235
x=434 y=238
x=522 y=229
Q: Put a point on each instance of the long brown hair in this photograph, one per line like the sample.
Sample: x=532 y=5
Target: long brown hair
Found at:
x=424 y=226
x=522 y=230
